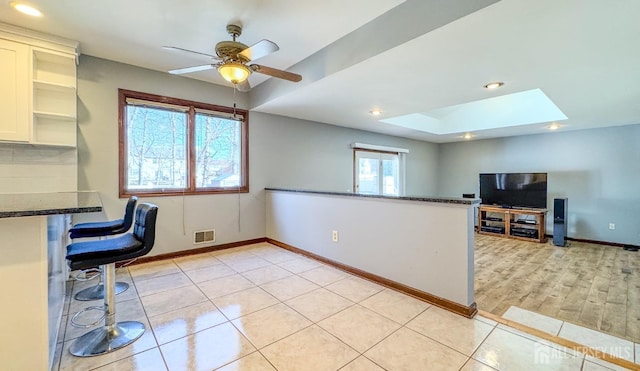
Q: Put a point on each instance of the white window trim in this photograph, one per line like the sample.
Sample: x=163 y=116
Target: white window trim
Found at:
x=375 y=147
x=402 y=159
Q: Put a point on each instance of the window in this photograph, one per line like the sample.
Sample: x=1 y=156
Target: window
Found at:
x=171 y=146
x=378 y=172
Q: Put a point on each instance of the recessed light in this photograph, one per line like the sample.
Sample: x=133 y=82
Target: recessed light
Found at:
x=26 y=9
x=375 y=112
x=493 y=85
x=467 y=136
x=553 y=127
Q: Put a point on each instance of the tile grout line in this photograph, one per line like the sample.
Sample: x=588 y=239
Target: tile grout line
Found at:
x=132 y=355
x=259 y=350
x=146 y=315
x=398 y=329
x=493 y=329
x=230 y=321
x=139 y=298
x=210 y=300
x=348 y=275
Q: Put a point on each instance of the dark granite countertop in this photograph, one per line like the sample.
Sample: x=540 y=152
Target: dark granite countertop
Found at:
x=444 y=200
x=30 y=204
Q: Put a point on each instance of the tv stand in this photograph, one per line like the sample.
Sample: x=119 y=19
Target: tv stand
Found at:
x=520 y=224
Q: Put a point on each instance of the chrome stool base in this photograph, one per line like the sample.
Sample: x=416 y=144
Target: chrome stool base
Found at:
x=97 y=292
x=102 y=340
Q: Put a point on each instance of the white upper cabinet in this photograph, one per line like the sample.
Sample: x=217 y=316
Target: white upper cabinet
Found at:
x=37 y=88
x=14 y=91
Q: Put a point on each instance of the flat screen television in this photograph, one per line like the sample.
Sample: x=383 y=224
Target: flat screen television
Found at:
x=525 y=190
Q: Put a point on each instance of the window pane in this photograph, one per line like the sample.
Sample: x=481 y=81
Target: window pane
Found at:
x=218 y=152
x=390 y=177
x=171 y=146
x=156 y=148
x=368 y=176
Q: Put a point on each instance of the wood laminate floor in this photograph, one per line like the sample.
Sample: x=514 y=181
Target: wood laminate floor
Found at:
x=588 y=284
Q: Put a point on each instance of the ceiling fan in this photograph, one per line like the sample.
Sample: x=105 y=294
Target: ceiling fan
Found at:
x=233 y=58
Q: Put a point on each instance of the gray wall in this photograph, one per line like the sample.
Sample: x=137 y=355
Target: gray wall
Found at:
x=282 y=152
x=597 y=170
x=292 y=153
x=435 y=254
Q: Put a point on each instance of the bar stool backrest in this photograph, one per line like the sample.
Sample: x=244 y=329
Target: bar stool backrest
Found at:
x=145 y=226
x=128 y=215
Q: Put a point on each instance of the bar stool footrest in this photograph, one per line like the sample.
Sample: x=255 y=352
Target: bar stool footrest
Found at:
x=83 y=275
x=97 y=292
x=74 y=323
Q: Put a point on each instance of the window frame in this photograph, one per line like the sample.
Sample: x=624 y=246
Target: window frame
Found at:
x=190 y=161
x=401 y=171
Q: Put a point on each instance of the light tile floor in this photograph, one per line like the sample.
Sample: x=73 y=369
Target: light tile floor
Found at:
x=260 y=307
x=601 y=342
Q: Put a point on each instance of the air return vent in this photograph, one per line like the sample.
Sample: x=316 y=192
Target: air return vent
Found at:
x=204 y=236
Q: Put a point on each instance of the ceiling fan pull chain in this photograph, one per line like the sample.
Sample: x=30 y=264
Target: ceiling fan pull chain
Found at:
x=235 y=87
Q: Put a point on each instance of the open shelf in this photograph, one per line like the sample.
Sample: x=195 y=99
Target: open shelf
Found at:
x=52 y=131
x=54 y=99
x=522 y=224
x=54 y=116
x=53 y=67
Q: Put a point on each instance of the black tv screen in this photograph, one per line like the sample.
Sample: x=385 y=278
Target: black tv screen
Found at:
x=526 y=190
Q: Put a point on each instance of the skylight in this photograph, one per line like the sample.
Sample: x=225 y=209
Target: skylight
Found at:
x=524 y=108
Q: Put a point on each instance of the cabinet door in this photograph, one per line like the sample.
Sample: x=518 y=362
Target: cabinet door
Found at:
x=14 y=91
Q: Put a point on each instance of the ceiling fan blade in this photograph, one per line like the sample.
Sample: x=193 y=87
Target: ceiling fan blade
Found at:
x=244 y=86
x=294 y=77
x=190 y=51
x=181 y=71
x=260 y=49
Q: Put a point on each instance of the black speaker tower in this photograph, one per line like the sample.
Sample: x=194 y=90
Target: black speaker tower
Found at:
x=560 y=221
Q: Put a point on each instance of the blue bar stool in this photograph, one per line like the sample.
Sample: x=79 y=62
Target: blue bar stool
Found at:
x=103 y=229
x=106 y=253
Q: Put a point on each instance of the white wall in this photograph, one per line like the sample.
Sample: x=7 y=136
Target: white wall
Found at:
x=597 y=170
x=282 y=152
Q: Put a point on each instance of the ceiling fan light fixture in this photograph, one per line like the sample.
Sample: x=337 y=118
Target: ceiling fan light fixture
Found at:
x=233 y=72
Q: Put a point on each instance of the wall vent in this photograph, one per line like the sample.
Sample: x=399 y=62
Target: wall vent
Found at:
x=204 y=236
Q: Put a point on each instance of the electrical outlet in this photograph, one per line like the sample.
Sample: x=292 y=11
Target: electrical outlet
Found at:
x=334 y=236
x=612 y=226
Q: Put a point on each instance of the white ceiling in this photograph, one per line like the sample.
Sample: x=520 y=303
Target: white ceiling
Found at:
x=403 y=57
